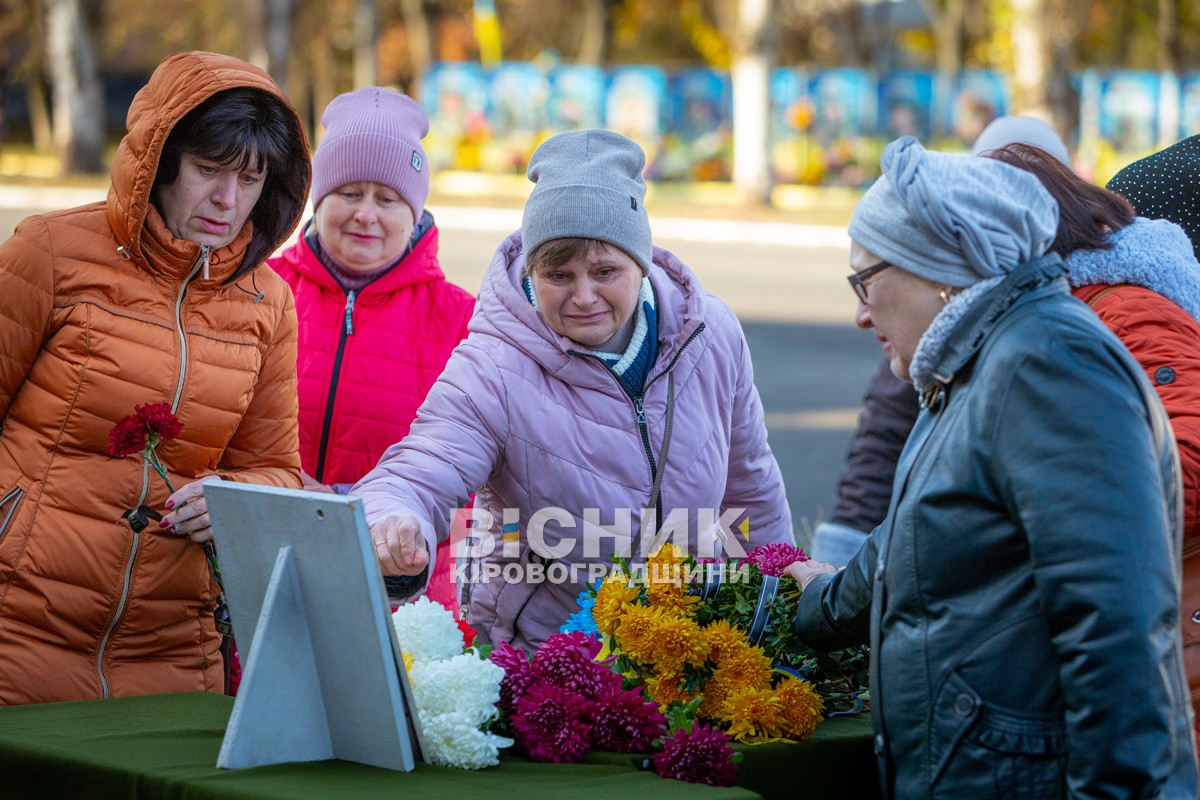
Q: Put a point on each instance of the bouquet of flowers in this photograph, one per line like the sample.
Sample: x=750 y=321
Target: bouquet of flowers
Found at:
x=566 y=700
x=758 y=598
x=696 y=655
x=455 y=687
x=656 y=662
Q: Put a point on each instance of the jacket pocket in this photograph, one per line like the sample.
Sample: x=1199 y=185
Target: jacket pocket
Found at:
x=1021 y=753
x=9 y=504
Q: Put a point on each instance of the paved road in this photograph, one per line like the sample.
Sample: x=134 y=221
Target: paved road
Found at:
x=787 y=286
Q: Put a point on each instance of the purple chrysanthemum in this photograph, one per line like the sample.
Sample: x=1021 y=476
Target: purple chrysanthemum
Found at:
x=550 y=723
x=701 y=755
x=568 y=660
x=625 y=722
x=771 y=559
x=518 y=675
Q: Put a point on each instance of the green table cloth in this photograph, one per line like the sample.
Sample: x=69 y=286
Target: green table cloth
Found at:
x=164 y=747
x=838 y=761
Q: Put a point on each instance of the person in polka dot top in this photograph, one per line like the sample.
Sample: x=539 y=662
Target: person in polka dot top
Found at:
x=1166 y=185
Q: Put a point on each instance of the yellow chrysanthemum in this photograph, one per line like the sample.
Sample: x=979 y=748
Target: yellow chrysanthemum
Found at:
x=754 y=716
x=745 y=667
x=800 y=707
x=665 y=687
x=716 y=692
x=667 y=553
x=673 y=600
x=408 y=661
x=677 y=641
x=724 y=640
x=614 y=596
x=635 y=632
x=665 y=567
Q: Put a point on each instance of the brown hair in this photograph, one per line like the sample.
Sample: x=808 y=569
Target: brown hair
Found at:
x=556 y=252
x=1087 y=213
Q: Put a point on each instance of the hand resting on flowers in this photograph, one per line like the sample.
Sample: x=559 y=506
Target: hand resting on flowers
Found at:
x=805 y=571
x=400 y=545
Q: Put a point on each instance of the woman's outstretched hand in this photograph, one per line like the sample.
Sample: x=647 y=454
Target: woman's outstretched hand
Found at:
x=805 y=571
x=400 y=546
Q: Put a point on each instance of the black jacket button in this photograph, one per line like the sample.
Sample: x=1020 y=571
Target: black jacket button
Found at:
x=1164 y=375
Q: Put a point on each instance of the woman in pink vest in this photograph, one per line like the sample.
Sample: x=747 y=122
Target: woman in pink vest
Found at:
x=377 y=317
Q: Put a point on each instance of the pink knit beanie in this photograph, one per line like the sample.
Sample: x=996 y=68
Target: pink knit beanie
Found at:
x=373 y=134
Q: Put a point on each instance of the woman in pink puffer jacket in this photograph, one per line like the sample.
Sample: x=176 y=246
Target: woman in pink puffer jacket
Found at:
x=602 y=403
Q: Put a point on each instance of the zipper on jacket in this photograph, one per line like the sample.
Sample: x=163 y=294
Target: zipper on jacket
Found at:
x=13 y=501
x=327 y=422
x=640 y=409
x=201 y=263
x=350 y=297
x=641 y=419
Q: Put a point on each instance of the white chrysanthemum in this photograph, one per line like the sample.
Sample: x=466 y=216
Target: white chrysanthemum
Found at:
x=451 y=740
x=465 y=684
x=427 y=631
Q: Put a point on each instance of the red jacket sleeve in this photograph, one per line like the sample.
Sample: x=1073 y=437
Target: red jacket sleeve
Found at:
x=1165 y=340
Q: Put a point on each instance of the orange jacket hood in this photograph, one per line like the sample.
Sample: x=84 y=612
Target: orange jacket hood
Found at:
x=181 y=83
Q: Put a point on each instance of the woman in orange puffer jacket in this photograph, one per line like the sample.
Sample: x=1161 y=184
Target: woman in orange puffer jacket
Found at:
x=155 y=296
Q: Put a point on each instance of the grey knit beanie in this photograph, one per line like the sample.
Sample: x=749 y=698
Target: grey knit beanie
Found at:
x=373 y=134
x=588 y=184
x=1009 y=129
x=953 y=219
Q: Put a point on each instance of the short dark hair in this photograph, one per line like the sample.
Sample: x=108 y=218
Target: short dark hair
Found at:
x=231 y=127
x=556 y=252
x=1087 y=213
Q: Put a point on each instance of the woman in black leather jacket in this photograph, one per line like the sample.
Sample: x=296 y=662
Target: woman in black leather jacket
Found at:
x=1021 y=596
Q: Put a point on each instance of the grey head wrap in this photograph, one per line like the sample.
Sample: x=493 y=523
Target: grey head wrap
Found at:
x=953 y=219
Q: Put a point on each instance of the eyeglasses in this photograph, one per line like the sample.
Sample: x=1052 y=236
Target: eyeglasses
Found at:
x=858 y=281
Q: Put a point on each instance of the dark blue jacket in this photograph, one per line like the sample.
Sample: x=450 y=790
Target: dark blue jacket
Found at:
x=1021 y=598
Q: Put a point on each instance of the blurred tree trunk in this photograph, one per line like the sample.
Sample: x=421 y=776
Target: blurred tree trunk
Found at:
x=420 y=40
x=1044 y=35
x=1168 y=36
x=755 y=46
x=39 y=114
x=324 y=83
x=279 y=39
x=1061 y=97
x=366 y=70
x=947 y=18
x=78 y=92
x=593 y=32
x=1031 y=72
x=268 y=27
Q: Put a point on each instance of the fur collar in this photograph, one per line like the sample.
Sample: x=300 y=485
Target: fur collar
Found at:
x=1154 y=254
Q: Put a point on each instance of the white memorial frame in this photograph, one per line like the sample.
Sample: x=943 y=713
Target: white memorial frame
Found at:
x=322 y=675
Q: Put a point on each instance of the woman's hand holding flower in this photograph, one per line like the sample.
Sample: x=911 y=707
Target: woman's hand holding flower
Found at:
x=189 y=512
x=400 y=546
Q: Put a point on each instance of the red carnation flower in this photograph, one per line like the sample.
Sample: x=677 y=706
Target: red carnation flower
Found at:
x=149 y=425
x=159 y=420
x=468 y=633
x=127 y=437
